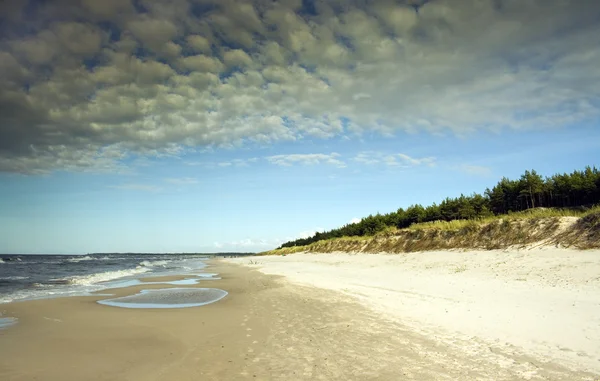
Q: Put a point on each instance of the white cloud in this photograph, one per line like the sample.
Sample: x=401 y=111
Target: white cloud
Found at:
x=225 y=164
x=137 y=187
x=309 y=233
x=392 y=160
x=182 y=180
x=430 y=161
x=307 y=159
x=367 y=158
x=355 y=221
x=258 y=73
x=249 y=243
x=476 y=170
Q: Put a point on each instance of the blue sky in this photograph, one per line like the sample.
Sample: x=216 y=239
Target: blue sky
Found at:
x=236 y=126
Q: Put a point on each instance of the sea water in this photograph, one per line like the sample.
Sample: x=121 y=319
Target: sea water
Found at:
x=27 y=277
x=168 y=298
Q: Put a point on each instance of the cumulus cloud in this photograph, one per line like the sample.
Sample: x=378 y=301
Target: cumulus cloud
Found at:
x=146 y=76
x=306 y=159
x=198 y=43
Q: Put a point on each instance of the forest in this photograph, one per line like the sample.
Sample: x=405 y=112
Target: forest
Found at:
x=567 y=190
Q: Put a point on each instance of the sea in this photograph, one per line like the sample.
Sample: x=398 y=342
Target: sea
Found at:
x=28 y=277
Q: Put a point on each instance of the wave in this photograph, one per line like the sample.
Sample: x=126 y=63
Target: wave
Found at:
x=88 y=258
x=13 y=277
x=80 y=259
x=161 y=263
x=10 y=259
x=86 y=280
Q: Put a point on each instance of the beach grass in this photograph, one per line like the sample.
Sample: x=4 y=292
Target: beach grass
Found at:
x=541 y=226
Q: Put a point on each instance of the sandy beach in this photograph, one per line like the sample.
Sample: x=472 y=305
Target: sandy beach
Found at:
x=517 y=314
x=327 y=317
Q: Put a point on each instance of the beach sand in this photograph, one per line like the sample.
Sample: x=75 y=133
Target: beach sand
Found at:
x=518 y=314
x=269 y=327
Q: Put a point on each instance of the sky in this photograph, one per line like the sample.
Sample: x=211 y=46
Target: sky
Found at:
x=221 y=125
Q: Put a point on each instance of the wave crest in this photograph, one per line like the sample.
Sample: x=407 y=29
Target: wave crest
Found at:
x=86 y=280
x=161 y=263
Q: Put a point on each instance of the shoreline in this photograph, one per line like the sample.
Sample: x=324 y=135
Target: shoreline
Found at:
x=78 y=338
x=268 y=328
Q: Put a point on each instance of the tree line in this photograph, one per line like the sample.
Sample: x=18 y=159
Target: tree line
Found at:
x=567 y=190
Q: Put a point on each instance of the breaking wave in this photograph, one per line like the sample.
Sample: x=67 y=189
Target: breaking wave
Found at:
x=86 y=280
x=88 y=258
x=13 y=277
x=161 y=263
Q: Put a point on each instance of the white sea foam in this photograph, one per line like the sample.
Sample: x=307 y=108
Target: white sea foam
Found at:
x=85 y=280
x=206 y=275
x=72 y=286
x=80 y=259
x=161 y=263
x=1 y=261
x=13 y=277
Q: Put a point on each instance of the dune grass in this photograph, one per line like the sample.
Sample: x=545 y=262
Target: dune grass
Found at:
x=536 y=213
x=535 y=226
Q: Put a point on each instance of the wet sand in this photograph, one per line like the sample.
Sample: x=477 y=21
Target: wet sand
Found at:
x=267 y=328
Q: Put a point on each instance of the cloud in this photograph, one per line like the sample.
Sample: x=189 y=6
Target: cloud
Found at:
x=392 y=160
x=355 y=221
x=367 y=158
x=307 y=159
x=476 y=170
x=152 y=33
x=182 y=180
x=309 y=233
x=237 y=57
x=198 y=43
x=250 y=243
x=430 y=161
x=202 y=63
x=79 y=79
x=225 y=164
x=137 y=187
